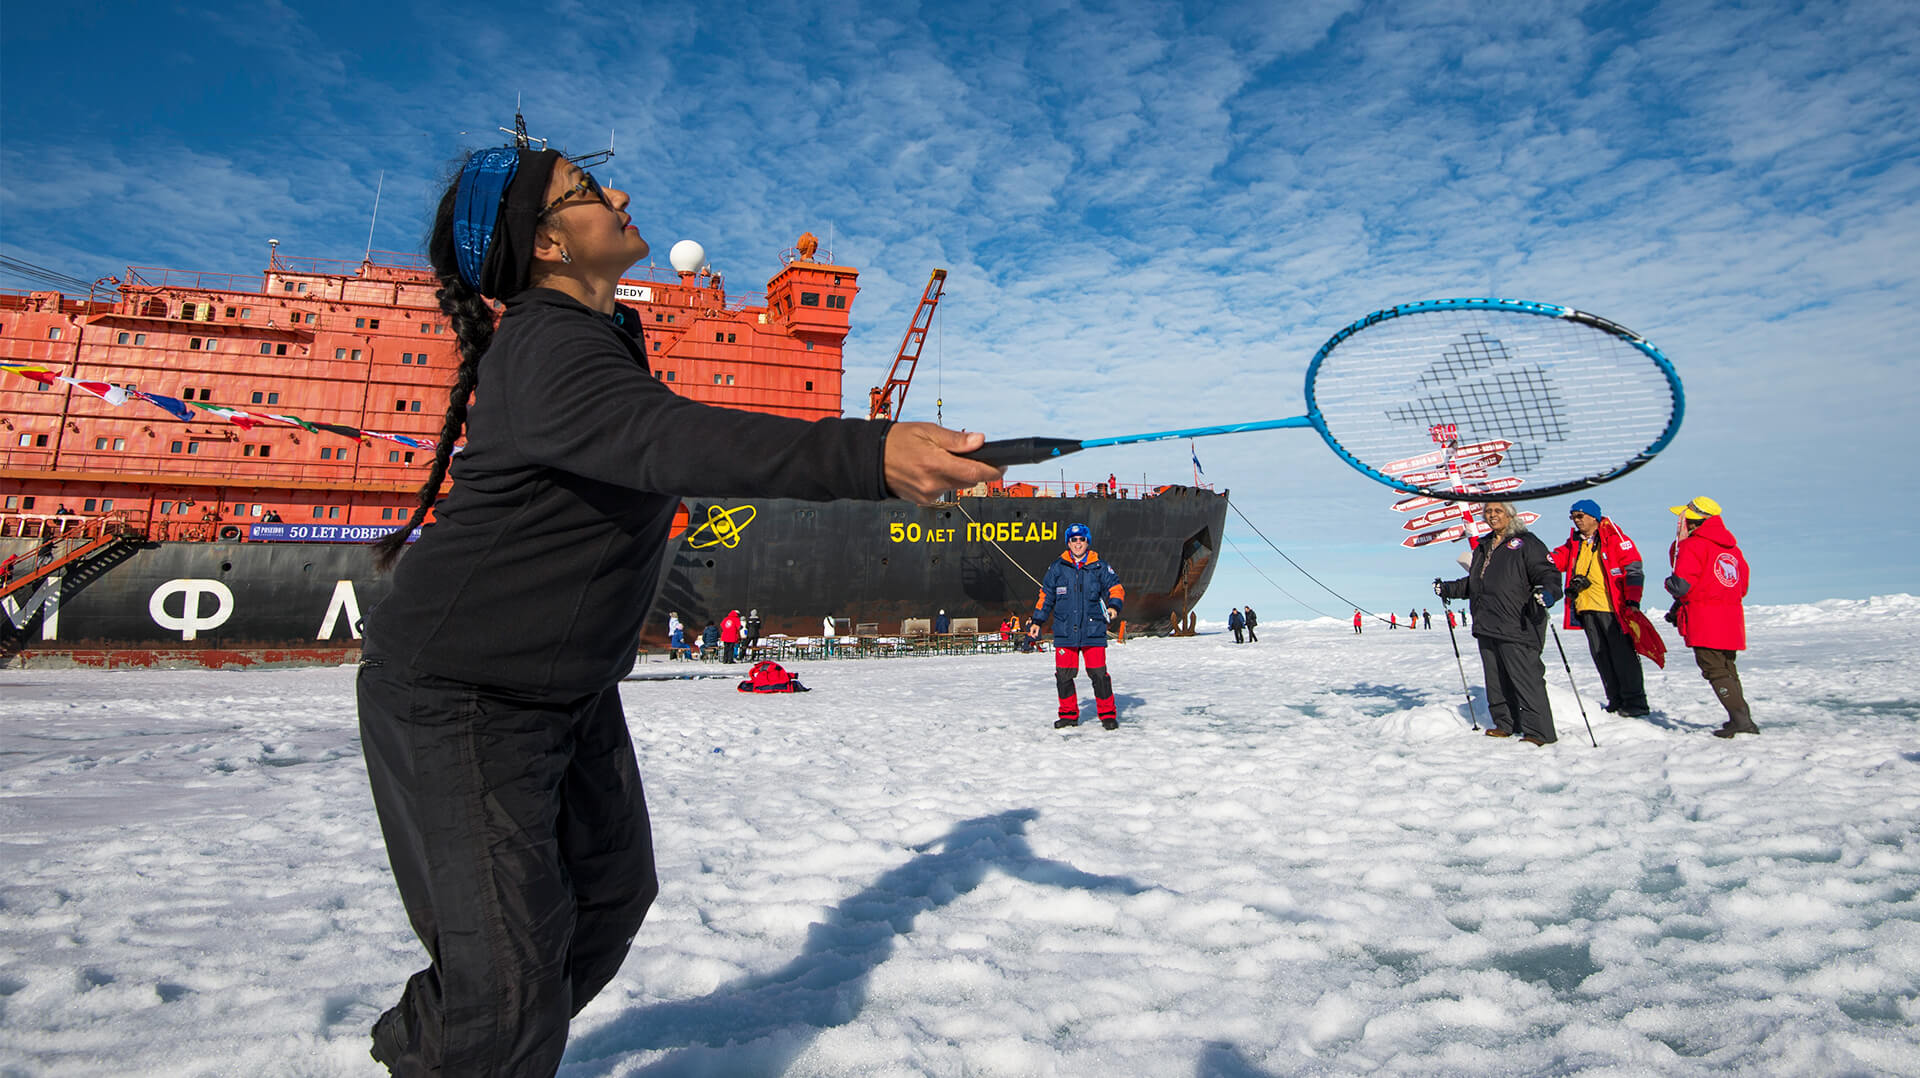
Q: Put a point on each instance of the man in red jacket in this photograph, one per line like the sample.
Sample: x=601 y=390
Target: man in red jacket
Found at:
x=1709 y=580
x=1603 y=579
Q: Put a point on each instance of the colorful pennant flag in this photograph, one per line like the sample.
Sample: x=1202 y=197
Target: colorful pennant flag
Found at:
x=345 y=432
x=117 y=395
x=106 y=391
x=32 y=372
x=403 y=439
x=174 y=405
x=243 y=420
x=292 y=421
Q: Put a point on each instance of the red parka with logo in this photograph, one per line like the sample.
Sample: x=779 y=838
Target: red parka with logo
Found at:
x=1709 y=580
x=1619 y=561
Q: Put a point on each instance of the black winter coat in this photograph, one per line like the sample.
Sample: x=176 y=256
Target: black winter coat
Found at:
x=538 y=568
x=1499 y=588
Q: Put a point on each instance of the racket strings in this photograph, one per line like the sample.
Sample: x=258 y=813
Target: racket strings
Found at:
x=1576 y=403
x=1474 y=351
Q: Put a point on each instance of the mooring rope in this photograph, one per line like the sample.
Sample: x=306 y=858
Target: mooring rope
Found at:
x=1303 y=572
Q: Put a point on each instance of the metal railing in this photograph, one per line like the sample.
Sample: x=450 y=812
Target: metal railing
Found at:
x=81 y=528
x=1018 y=488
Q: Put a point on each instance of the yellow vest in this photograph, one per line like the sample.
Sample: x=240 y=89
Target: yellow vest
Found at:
x=1587 y=564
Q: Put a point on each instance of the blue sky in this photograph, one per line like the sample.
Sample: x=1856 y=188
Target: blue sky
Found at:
x=1152 y=214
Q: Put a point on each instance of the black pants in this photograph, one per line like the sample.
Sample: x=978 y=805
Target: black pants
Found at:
x=518 y=835
x=1517 y=688
x=1251 y=639
x=1615 y=659
x=1237 y=638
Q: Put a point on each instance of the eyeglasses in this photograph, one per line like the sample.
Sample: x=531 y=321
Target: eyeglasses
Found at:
x=588 y=184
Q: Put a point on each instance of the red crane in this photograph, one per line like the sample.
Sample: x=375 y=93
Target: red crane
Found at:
x=885 y=402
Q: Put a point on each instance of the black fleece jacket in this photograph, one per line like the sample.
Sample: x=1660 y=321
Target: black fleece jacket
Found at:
x=1499 y=584
x=539 y=566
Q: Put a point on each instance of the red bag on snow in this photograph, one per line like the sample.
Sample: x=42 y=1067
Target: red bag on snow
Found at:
x=770 y=676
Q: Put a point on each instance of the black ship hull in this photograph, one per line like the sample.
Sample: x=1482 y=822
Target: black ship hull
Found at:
x=798 y=563
x=237 y=602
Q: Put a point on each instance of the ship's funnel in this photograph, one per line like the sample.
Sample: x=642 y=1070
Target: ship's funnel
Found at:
x=687 y=256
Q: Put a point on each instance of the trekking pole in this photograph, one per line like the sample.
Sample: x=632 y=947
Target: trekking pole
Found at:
x=1446 y=606
x=1576 y=688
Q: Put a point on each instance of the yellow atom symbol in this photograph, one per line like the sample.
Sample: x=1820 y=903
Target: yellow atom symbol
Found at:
x=726 y=530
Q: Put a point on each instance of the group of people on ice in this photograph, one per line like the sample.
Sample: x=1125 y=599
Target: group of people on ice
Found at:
x=731 y=639
x=1243 y=620
x=1513 y=580
x=1416 y=619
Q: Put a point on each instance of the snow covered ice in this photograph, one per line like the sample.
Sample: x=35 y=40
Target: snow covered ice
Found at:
x=1294 y=857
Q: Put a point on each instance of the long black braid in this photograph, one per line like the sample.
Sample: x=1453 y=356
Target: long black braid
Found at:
x=472 y=318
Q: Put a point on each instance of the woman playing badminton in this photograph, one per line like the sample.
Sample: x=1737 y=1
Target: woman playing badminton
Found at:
x=490 y=712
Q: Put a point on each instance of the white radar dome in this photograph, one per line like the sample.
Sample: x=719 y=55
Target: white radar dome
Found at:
x=687 y=256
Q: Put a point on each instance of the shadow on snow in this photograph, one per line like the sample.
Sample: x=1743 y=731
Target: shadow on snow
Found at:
x=758 y=1025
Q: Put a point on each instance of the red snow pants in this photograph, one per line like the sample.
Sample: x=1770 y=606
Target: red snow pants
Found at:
x=1066 y=663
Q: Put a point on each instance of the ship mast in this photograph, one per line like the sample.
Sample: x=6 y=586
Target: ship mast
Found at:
x=524 y=141
x=521 y=139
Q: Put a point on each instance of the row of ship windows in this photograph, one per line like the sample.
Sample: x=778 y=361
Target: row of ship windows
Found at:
x=190 y=312
x=271 y=397
x=203 y=312
x=25 y=502
x=718 y=379
x=192 y=448
x=729 y=336
x=210 y=344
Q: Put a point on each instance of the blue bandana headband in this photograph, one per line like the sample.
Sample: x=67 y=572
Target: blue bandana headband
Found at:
x=476 y=206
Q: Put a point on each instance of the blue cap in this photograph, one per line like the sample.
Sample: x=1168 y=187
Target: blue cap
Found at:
x=1587 y=506
x=1079 y=531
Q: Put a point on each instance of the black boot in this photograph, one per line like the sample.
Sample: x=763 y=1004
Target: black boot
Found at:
x=1739 y=716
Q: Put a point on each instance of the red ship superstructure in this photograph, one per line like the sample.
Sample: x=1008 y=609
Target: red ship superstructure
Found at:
x=191 y=465
x=311 y=351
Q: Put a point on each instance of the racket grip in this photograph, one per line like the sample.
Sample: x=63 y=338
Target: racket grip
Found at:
x=1011 y=451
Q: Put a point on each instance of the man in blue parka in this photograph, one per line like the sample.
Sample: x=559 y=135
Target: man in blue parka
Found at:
x=1081 y=593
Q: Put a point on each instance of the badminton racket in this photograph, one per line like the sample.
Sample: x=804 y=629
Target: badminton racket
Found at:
x=1580 y=400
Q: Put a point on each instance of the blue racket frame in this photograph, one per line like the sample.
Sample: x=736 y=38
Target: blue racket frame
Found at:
x=1031 y=450
x=1314 y=419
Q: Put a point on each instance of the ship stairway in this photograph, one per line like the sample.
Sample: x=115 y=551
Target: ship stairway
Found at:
x=89 y=562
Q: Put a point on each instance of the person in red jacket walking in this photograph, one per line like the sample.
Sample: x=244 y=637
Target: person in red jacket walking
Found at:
x=730 y=636
x=1603 y=578
x=1709 y=580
